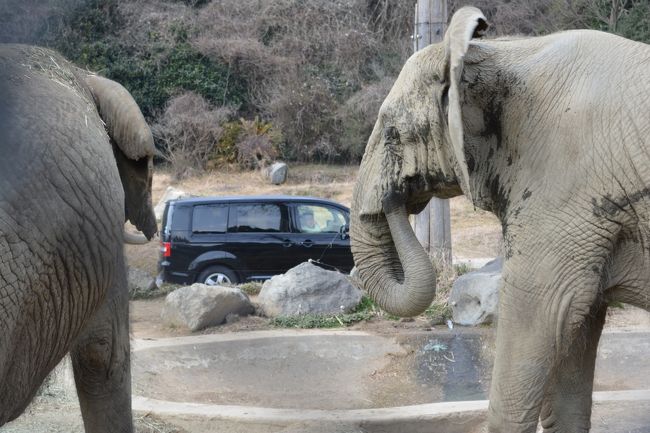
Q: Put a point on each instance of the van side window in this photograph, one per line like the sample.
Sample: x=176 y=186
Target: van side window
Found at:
x=255 y=218
x=211 y=218
x=319 y=219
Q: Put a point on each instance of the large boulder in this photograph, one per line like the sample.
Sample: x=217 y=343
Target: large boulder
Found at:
x=141 y=284
x=60 y=382
x=171 y=193
x=199 y=306
x=277 y=173
x=474 y=297
x=308 y=289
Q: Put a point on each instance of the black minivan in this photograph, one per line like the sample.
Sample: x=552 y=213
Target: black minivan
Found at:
x=214 y=240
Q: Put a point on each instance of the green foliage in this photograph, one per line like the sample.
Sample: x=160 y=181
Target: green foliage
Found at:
x=157 y=69
x=438 y=312
x=249 y=143
x=154 y=77
x=635 y=22
x=163 y=290
x=309 y=321
x=366 y=310
x=226 y=150
x=462 y=269
x=251 y=288
x=366 y=305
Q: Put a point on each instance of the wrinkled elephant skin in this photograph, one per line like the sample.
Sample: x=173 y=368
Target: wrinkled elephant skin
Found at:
x=552 y=135
x=76 y=164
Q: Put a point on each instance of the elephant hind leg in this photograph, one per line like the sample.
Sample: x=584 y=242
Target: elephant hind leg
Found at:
x=101 y=363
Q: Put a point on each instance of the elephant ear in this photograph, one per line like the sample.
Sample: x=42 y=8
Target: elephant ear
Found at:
x=132 y=146
x=467 y=23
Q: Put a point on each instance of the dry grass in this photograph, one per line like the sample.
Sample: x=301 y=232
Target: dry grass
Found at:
x=475 y=233
x=329 y=181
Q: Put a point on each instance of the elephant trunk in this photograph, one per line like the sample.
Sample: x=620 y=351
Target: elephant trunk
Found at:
x=393 y=267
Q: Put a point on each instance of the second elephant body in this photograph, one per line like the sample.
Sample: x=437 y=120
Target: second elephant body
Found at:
x=64 y=186
x=551 y=134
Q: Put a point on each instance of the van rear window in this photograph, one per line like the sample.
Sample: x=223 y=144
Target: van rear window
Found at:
x=256 y=218
x=211 y=218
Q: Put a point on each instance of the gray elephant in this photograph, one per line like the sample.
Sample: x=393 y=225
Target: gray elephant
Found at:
x=77 y=162
x=552 y=135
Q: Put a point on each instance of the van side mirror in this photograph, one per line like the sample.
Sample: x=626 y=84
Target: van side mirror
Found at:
x=344 y=231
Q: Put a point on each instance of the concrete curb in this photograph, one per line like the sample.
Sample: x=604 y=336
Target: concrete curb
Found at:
x=262 y=414
x=422 y=412
x=144 y=344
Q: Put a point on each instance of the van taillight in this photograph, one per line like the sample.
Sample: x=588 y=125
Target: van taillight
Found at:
x=166 y=249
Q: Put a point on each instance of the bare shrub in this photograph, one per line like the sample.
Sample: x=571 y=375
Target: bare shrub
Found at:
x=357 y=117
x=302 y=59
x=256 y=144
x=304 y=111
x=189 y=131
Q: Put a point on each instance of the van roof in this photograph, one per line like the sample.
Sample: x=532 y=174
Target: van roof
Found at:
x=255 y=198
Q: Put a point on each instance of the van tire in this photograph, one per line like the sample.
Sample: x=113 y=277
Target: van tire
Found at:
x=217 y=275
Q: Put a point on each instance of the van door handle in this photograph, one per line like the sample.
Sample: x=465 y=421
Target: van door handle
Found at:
x=308 y=243
x=286 y=243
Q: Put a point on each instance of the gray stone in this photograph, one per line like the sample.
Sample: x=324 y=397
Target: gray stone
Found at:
x=199 y=306
x=355 y=278
x=308 y=289
x=474 y=296
x=171 y=193
x=141 y=284
x=60 y=382
x=277 y=173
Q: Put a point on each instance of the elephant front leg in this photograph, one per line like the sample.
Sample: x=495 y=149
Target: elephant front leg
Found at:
x=101 y=363
x=539 y=320
x=567 y=406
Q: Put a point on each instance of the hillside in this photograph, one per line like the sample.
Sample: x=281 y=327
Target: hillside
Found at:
x=244 y=81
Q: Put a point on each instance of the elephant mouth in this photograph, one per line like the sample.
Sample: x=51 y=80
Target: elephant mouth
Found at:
x=421 y=189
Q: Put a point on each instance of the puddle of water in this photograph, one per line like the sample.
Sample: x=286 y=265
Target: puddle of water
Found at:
x=454 y=366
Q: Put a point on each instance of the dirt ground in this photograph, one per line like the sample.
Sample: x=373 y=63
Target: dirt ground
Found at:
x=146 y=323
x=53 y=414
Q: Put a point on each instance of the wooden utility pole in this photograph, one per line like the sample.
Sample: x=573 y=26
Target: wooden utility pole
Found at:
x=432 y=225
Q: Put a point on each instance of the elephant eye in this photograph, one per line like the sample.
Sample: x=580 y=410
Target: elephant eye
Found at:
x=444 y=98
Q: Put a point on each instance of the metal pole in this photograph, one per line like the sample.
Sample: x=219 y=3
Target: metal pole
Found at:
x=432 y=225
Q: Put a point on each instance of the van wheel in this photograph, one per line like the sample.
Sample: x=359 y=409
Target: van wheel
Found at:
x=217 y=275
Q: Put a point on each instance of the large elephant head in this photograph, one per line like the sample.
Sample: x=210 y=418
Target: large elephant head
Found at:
x=415 y=152
x=133 y=148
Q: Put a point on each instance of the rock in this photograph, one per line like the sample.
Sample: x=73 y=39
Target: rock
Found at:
x=60 y=382
x=171 y=193
x=474 y=296
x=308 y=289
x=232 y=318
x=141 y=284
x=277 y=173
x=199 y=306
x=355 y=278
